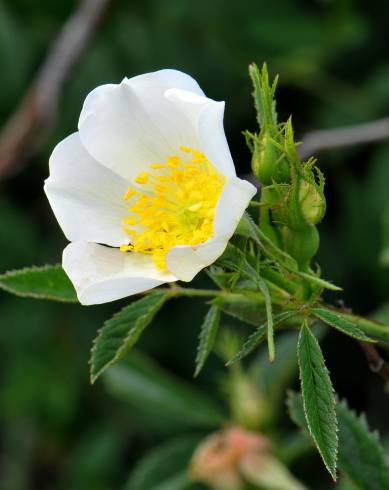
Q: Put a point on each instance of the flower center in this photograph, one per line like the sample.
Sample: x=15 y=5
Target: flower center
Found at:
x=175 y=207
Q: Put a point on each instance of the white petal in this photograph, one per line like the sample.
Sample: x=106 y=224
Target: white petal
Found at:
x=206 y=117
x=128 y=126
x=101 y=274
x=87 y=198
x=234 y=199
x=186 y=261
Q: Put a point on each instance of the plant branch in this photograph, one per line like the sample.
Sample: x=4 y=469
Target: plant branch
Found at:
x=327 y=139
x=28 y=128
x=176 y=291
x=376 y=363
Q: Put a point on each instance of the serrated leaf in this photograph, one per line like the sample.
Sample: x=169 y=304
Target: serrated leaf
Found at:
x=337 y=321
x=122 y=331
x=207 y=337
x=165 y=467
x=318 y=398
x=156 y=392
x=257 y=336
x=46 y=282
x=361 y=456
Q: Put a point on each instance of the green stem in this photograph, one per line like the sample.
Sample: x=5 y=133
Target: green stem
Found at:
x=370 y=327
x=175 y=291
x=279 y=280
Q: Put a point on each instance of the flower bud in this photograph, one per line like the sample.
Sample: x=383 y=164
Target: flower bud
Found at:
x=268 y=162
x=301 y=244
x=306 y=204
x=312 y=202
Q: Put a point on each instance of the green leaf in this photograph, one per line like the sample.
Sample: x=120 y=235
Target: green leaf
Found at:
x=257 y=336
x=341 y=324
x=151 y=389
x=318 y=398
x=122 y=331
x=247 y=228
x=46 y=282
x=248 y=309
x=207 y=337
x=263 y=95
x=269 y=319
x=234 y=259
x=319 y=281
x=165 y=467
x=361 y=455
x=294 y=403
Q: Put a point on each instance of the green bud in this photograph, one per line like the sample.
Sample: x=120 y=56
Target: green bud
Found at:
x=306 y=204
x=268 y=162
x=312 y=202
x=301 y=244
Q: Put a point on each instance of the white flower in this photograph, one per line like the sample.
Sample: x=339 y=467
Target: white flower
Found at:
x=146 y=190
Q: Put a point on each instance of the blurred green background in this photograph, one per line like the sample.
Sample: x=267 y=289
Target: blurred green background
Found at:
x=56 y=431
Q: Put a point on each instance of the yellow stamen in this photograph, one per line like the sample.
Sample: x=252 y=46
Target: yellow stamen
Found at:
x=130 y=220
x=178 y=209
x=185 y=149
x=129 y=194
x=142 y=178
x=173 y=162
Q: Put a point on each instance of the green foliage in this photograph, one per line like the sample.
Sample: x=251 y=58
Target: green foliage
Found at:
x=269 y=319
x=361 y=457
x=315 y=50
x=257 y=336
x=264 y=95
x=318 y=398
x=207 y=337
x=122 y=331
x=165 y=467
x=151 y=389
x=296 y=410
x=334 y=320
x=318 y=281
x=244 y=307
x=47 y=282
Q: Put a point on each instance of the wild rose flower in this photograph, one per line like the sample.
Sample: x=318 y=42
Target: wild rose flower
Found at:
x=146 y=190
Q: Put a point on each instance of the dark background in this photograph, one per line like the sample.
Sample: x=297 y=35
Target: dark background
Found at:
x=58 y=432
